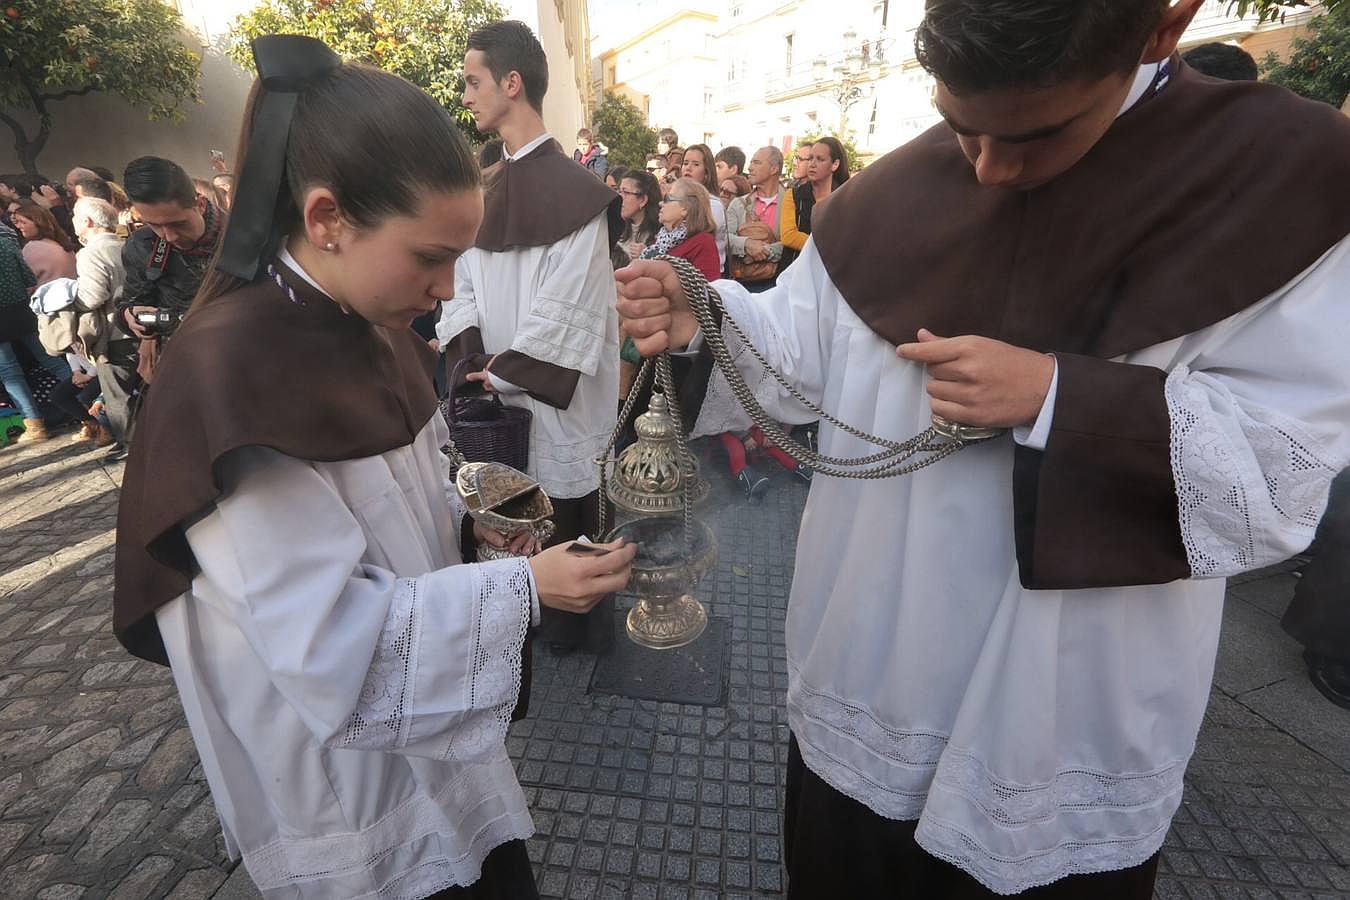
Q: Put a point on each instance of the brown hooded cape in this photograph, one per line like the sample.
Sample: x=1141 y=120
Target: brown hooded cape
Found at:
x=533 y=201
x=1200 y=201
x=253 y=368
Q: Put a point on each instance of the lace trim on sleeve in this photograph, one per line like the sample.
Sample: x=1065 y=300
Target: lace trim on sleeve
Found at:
x=565 y=333
x=380 y=719
x=1243 y=481
x=503 y=611
x=456 y=316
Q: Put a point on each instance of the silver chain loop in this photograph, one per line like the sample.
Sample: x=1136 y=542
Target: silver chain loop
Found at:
x=893 y=460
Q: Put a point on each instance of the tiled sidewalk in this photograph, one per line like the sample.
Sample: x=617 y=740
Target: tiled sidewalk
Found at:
x=101 y=795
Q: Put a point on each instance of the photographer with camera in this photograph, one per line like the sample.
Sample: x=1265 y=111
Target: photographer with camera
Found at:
x=165 y=260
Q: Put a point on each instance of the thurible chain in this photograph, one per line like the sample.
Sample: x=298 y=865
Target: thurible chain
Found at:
x=893 y=460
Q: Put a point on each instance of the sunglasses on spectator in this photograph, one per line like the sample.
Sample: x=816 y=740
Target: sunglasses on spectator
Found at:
x=654 y=168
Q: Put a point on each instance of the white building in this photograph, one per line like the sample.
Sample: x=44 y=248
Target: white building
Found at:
x=787 y=69
x=807 y=67
x=671 y=71
x=563 y=28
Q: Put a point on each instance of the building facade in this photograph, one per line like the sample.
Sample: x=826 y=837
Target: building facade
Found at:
x=672 y=72
x=563 y=28
x=782 y=70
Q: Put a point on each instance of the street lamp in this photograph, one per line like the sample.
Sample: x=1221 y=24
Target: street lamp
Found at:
x=855 y=75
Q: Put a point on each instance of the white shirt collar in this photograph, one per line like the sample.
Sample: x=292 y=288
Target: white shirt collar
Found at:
x=284 y=256
x=530 y=147
x=771 y=199
x=1142 y=79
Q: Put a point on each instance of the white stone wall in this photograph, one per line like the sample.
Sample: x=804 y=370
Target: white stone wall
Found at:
x=105 y=131
x=565 y=104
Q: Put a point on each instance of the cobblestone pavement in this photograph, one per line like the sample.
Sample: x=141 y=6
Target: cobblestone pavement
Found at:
x=101 y=794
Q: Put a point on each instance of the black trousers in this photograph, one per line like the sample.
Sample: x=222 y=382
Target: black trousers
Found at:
x=117 y=376
x=836 y=847
x=592 y=632
x=1319 y=616
x=75 y=401
x=506 y=876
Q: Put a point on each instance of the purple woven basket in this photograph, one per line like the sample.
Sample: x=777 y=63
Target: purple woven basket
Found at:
x=485 y=429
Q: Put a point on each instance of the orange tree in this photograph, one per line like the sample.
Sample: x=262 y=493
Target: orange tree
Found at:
x=1319 y=64
x=1271 y=10
x=51 y=50
x=420 y=40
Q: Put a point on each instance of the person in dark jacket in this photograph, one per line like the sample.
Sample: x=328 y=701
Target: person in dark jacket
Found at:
x=18 y=329
x=1319 y=618
x=591 y=154
x=165 y=260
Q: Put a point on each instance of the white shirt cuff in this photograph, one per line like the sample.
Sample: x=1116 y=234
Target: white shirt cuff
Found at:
x=503 y=386
x=695 y=345
x=1036 y=436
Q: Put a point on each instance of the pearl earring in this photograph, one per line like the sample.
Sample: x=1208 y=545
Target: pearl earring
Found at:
x=330 y=246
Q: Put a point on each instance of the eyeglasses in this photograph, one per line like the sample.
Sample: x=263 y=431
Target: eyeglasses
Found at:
x=671 y=198
x=631 y=193
x=653 y=168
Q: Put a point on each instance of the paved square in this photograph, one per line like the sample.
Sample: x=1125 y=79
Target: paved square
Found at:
x=101 y=794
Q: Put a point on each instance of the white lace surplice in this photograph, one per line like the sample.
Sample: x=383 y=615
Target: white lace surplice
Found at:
x=1033 y=734
x=554 y=303
x=348 y=685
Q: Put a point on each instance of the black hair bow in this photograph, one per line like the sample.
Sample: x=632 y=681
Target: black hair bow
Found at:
x=287 y=64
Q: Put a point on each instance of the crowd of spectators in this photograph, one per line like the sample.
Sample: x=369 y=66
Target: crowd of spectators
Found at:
x=95 y=274
x=730 y=219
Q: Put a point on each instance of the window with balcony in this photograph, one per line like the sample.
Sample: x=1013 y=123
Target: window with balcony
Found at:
x=787 y=53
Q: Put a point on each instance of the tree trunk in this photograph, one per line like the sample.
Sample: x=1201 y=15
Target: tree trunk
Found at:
x=27 y=149
x=24 y=149
x=28 y=154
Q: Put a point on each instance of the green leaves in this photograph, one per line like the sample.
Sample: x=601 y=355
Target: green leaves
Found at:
x=56 y=49
x=421 y=40
x=1273 y=10
x=622 y=128
x=1319 y=65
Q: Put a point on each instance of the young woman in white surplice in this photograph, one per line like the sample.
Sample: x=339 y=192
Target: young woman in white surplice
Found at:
x=347 y=679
